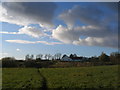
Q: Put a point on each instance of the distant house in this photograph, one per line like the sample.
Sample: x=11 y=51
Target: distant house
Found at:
x=77 y=58
x=66 y=58
x=72 y=58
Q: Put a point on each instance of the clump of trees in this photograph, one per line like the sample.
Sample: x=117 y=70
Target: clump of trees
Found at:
x=115 y=57
x=9 y=62
x=104 y=58
x=29 y=57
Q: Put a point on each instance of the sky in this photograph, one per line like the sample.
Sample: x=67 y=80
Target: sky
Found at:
x=84 y=28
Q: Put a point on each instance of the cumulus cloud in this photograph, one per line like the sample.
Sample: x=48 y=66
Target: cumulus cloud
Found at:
x=28 y=30
x=24 y=13
x=31 y=31
x=95 y=41
x=64 y=34
x=86 y=15
x=98 y=27
x=93 y=36
x=32 y=42
x=90 y=15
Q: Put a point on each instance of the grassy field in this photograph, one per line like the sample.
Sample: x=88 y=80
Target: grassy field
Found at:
x=82 y=77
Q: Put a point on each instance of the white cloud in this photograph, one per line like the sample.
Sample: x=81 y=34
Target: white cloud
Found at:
x=98 y=27
x=5 y=32
x=94 y=36
x=20 y=41
x=64 y=34
x=25 y=13
x=28 y=30
x=49 y=43
x=31 y=31
x=18 y=49
x=95 y=41
x=32 y=42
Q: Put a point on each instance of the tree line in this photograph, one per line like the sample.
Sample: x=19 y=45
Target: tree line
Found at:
x=57 y=56
x=48 y=60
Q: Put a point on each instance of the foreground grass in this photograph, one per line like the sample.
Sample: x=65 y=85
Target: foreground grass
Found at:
x=21 y=78
x=82 y=77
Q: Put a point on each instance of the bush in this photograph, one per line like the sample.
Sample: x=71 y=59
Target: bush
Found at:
x=9 y=63
x=30 y=63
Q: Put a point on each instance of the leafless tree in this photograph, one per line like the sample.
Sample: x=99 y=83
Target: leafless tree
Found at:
x=39 y=57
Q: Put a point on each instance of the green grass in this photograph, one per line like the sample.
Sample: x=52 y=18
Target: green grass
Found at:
x=83 y=77
x=21 y=78
x=0 y=78
x=78 y=77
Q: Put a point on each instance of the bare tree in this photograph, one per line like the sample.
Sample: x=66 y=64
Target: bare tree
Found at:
x=39 y=57
x=27 y=57
x=52 y=57
x=60 y=56
x=49 y=56
x=46 y=56
x=32 y=57
x=57 y=56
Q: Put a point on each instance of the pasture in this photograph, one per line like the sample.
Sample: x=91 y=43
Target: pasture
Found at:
x=70 y=78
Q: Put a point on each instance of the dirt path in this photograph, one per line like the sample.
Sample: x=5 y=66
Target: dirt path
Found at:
x=44 y=81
